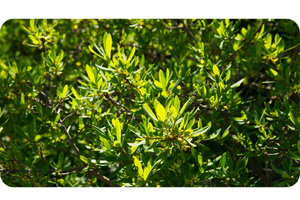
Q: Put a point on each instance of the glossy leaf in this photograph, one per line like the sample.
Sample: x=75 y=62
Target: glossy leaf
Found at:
x=84 y=159
x=203 y=130
x=137 y=143
x=149 y=112
x=160 y=111
x=237 y=84
x=118 y=130
x=184 y=107
x=100 y=133
x=107 y=41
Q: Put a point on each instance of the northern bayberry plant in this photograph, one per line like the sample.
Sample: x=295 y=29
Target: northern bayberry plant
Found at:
x=149 y=102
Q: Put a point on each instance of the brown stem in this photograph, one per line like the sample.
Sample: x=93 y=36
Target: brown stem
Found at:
x=189 y=32
x=248 y=42
x=102 y=178
x=71 y=142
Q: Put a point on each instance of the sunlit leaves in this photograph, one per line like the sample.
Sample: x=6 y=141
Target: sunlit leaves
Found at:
x=75 y=93
x=171 y=117
x=84 y=159
x=117 y=126
x=138 y=165
x=90 y=73
x=201 y=131
x=107 y=43
x=149 y=112
x=237 y=84
x=160 y=111
x=216 y=70
x=101 y=133
x=184 y=107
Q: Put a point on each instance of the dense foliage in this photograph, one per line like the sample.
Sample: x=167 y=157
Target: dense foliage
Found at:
x=149 y=102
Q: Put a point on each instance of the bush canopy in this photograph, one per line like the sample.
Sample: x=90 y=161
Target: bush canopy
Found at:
x=149 y=102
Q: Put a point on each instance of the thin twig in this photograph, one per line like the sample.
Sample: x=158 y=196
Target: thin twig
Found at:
x=189 y=32
x=232 y=55
x=102 y=178
x=69 y=138
x=68 y=116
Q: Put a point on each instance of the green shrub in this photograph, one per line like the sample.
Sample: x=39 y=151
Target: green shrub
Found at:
x=151 y=102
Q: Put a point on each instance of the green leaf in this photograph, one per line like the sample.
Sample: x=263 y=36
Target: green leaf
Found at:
x=286 y=166
x=216 y=70
x=34 y=172
x=100 y=133
x=60 y=160
x=294 y=156
x=229 y=161
x=177 y=103
x=194 y=154
x=176 y=83
x=118 y=130
x=105 y=69
x=91 y=50
x=157 y=84
x=237 y=84
x=2 y=111
x=137 y=143
x=286 y=176
x=56 y=118
x=39 y=109
x=75 y=93
x=146 y=172
x=65 y=90
x=226 y=160
x=90 y=73
x=149 y=112
x=273 y=72
x=139 y=166
x=222 y=161
x=154 y=166
x=162 y=80
x=269 y=41
x=184 y=107
x=107 y=41
x=52 y=163
x=22 y=99
x=276 y=170
x=31 y=23
x=201 y=131
x=298 y=146
x=185 y=121
x=20 y=131
x=33 y=39
x=135 y=130
x=160 y=111
x=131 y=54
x=200 y=159
x=189 y=142
x=293 y=118
x=214 y=135
x=226 y=132
x=190 y=124
x=84 y=159
x=45 y=170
